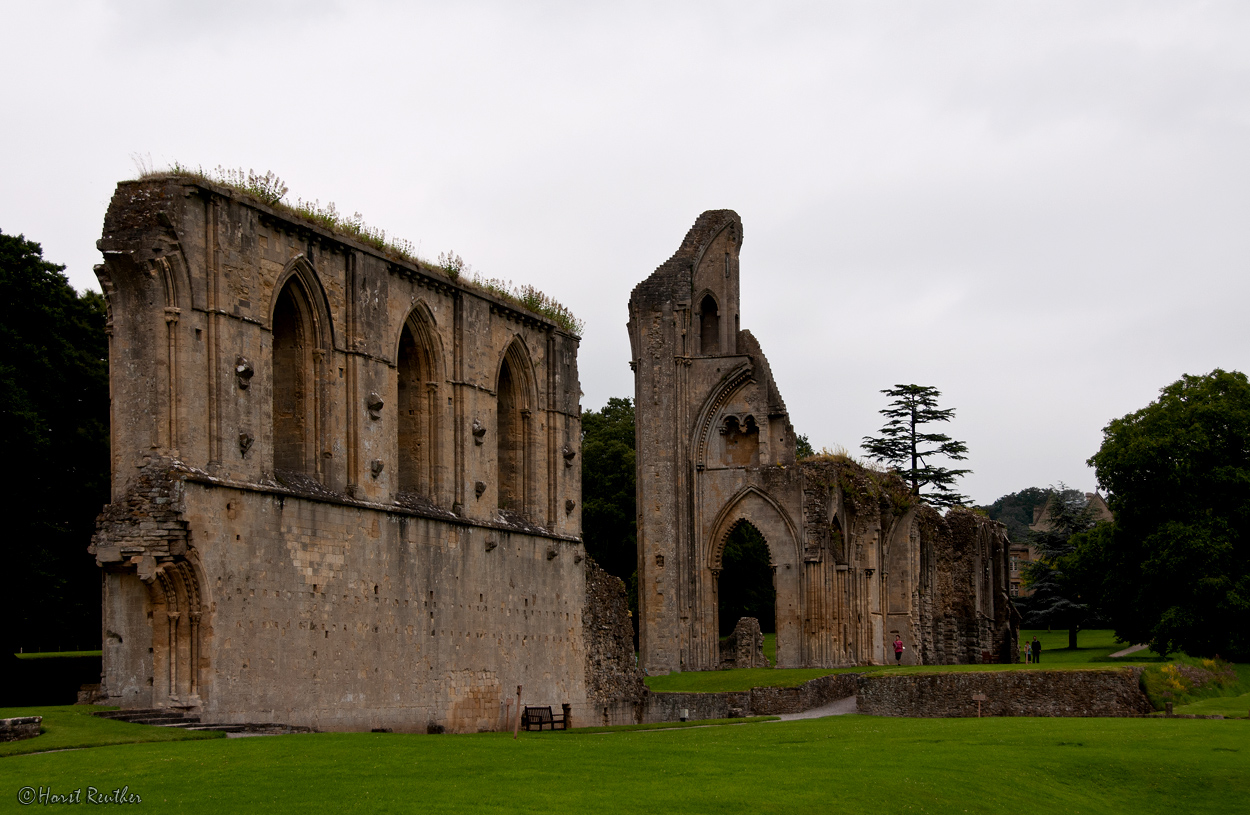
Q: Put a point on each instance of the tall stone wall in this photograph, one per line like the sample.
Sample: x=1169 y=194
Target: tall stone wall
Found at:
x=346 y=486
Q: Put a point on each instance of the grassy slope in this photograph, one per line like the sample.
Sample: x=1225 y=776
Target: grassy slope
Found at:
x=70 y=726
x=1095 y=648
x=845 y=764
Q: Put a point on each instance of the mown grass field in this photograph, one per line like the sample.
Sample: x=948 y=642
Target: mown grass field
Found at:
x=849 y=764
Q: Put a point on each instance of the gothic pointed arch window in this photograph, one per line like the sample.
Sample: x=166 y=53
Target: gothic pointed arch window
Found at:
x=514 y=430
x=419 y=418
x=294 y=380
x=709 y=326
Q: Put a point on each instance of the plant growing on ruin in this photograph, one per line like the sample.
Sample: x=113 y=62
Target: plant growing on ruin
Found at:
x=453 y=265
x=270 y=190
x=904 y=446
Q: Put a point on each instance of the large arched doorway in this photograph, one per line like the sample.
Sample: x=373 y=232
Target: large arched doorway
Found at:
x=745 y=586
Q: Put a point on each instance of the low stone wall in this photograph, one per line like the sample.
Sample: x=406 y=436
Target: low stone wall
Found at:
x=24 y=727
x=1113 y=692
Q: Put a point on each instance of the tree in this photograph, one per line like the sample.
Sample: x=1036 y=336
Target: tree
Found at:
x=903 y=445
x=54 y=445
x=1015 y=511
x=802 y=448
x=1054 y=578
x=1175 y=569
x=609 y=519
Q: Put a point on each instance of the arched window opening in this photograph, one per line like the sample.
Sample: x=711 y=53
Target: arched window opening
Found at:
x=293 y=381
x=512 y=436
x=745 y=587
x=418 y=416
x=709 y=327
x=742 y=442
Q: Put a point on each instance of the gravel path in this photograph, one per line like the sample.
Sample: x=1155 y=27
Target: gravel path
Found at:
x=838 y=708
x=1132 y=649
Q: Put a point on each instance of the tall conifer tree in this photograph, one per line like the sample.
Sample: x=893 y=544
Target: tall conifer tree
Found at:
x=903 y=445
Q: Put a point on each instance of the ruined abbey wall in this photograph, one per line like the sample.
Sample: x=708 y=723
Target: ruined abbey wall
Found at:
x=856 y=559
x=346 y=487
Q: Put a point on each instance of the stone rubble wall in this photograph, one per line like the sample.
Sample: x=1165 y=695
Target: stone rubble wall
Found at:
x=24 y=727
x=1112 y=692
x=612 y=672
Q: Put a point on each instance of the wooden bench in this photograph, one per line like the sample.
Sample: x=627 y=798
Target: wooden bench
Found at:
x=536 y=718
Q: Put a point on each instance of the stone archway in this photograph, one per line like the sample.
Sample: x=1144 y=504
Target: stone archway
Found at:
x=762 y=512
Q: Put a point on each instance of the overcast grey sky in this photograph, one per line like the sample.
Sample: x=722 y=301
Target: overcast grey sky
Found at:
x=1040 y=208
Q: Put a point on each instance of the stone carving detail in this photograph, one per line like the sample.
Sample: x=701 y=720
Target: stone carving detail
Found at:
x=568 y=506
x=245 y=443
x=479 y=487
x=569 y=454
x=479 y=432
x=375 y=467
x=491 y=543
x=374 y=404
x=243 y=372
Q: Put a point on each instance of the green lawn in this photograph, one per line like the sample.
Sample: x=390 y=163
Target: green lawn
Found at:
x=57 y=654
x=1231 y=706
x=848 y=764
x=69 y=726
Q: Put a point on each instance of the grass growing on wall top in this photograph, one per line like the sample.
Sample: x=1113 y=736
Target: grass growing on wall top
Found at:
x=270 y=190
x=845 y=764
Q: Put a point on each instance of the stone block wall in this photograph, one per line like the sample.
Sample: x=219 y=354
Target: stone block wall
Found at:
x=346 y=484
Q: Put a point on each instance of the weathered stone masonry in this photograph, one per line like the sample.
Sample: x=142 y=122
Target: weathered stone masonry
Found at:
x=855 y=559
x=346 y=488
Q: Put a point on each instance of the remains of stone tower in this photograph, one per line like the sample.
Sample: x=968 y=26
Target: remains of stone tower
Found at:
x=346 y=487
x=856 y=559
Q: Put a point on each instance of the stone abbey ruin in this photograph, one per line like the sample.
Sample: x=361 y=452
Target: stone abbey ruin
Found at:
x=347 y=488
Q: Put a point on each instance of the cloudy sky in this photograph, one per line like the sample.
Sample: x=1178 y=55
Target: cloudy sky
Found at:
x=1040 y=208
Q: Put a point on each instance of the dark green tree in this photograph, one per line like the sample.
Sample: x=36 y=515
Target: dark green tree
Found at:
x=905 y=446
x=1175 y=569
x=609 y=519
x=1057 y=598
x=1015 y=511
x=802 y=448
x=54 y=444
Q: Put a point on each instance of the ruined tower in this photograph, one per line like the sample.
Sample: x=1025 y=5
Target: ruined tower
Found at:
x=855 y=558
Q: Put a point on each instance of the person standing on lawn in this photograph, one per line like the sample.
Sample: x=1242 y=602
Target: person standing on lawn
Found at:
x=1037 y=650
x=898 y=649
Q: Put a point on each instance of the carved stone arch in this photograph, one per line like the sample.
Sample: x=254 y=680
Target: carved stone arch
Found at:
x=709 y=311
x=734 y=380
x=302 y=270
x=766 y=515
x=516 y=394
x=301 y=337
x=419 y=376
x=177 y=603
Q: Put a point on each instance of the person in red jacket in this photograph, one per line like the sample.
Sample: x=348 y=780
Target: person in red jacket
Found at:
x=898 y=649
